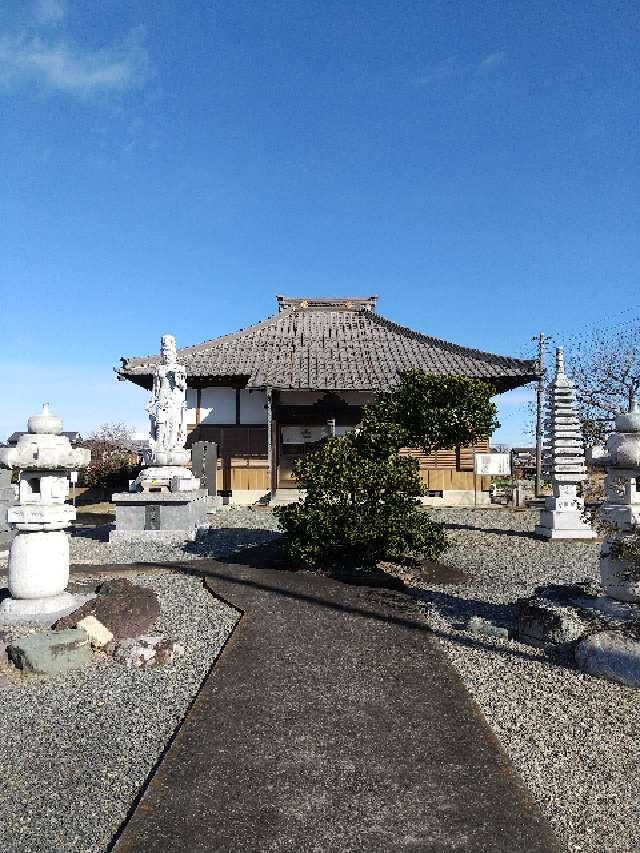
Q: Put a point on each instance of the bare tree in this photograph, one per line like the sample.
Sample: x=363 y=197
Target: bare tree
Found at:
x=117 y=434
x=114 y=459
x=605 y=367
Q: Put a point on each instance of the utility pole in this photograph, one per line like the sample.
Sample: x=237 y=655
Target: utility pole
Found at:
x=539 y=396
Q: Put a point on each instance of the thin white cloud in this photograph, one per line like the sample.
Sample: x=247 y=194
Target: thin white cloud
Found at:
x=492 y=60
x=439 y=72
x=50 y=11
x=64 y=68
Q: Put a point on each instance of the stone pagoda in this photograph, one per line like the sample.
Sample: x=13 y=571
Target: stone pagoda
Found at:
x=166 y=497
x=620 y=571
x=563 y=513
x=39 y=556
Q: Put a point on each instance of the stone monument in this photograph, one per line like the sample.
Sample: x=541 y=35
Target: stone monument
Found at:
x=166 y=500
x=39 y=557
x=620 y=573
x=563 y=513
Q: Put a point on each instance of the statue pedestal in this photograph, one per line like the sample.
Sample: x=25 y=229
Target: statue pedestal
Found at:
x=563 y=524
x=159 y=515
x=169 y=478
x=562 y=516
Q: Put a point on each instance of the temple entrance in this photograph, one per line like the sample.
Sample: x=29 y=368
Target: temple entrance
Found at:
x=295 y=442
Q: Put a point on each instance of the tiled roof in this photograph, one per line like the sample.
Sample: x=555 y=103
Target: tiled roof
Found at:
x=336 y=346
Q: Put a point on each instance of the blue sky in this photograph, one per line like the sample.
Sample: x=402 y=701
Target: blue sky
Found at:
x=171 y=166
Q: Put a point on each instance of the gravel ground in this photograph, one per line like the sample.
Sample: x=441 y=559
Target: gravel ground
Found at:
x=228 y=531
x=574 y=739
x=76 y=748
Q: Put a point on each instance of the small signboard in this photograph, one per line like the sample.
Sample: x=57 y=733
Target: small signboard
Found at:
x=494 y=464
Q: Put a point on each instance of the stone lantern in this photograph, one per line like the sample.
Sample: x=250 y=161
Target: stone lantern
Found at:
x=620 y=577
x=39 y=556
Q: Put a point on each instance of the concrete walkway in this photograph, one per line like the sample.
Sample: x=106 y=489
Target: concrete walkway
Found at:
x=332 y=723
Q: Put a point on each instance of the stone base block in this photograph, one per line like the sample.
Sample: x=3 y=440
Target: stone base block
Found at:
x=51 y=652
x=558 y=524
x=555 y=533
x=161 y=512
x=40 y=611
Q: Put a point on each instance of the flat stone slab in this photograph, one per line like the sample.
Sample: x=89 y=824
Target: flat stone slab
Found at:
x=332 y=722
x=159 y=497
x=40 y=611
x=612 y=655
x=170 y=537
x=51 y=652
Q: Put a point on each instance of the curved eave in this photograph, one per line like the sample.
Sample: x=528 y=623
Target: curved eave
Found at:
x=145 y=380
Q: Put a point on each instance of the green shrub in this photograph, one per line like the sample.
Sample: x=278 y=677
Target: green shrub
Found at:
x=359 y=508
x=362 y=503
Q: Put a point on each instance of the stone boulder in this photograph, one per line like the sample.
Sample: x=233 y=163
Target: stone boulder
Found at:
x=147 y=651
x=51 y=652
x=125 y=609
x=543 y=621
x=614 y=655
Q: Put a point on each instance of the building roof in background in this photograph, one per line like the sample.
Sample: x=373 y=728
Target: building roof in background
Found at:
x=14 y=438
x=335 y=344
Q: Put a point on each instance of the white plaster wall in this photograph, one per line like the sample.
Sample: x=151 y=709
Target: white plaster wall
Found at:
x=218 y=406
x=252 y=407
x=191 y=406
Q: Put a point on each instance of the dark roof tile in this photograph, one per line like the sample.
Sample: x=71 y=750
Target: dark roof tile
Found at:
x=333 y=347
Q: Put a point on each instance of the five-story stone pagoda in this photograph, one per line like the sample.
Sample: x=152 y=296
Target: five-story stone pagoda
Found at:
x=563 y=514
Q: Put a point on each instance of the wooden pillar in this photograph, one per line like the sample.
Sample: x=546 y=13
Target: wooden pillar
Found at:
x=237 y=406
x=225 y=456
x=271 y=457
x=275 y=451
x=269 y=441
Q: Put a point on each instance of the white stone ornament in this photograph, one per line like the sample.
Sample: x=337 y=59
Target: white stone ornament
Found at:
x=563 y=513
x=167 y=457
x=621 y=578
x=38 y=569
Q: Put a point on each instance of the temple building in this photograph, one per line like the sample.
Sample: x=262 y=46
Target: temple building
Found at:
x=265 y=393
